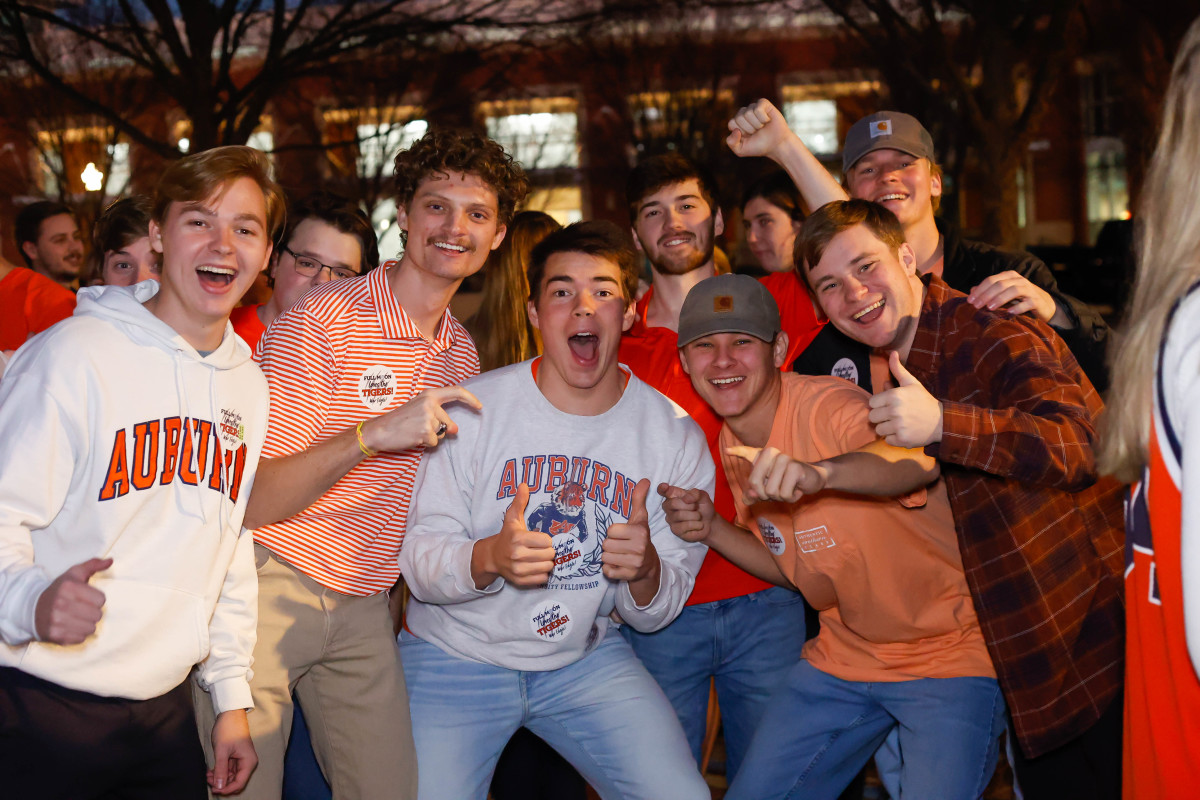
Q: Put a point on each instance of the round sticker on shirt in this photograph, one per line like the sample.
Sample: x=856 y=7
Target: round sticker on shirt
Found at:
x=551 y=621
x=376 y=386
x=845 y=368
x=567 y=554
x=230 y=428
x=771 y=536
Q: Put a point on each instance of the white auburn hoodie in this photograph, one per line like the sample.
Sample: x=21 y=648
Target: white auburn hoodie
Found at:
x=119 y=440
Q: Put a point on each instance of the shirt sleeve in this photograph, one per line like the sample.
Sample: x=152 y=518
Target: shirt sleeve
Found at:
x=436 y=556
x=38 y=453
x=679 y=560
x=46 y=304
x=1031 y=423
x=298 y=360
x=232 y=631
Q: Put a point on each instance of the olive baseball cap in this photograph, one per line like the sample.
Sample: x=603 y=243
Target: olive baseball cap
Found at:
x=728 y=304
x=886 y=130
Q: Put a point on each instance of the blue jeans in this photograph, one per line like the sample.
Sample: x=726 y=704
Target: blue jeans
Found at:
x=748 y=644
x=819 y=731
x=603 y=713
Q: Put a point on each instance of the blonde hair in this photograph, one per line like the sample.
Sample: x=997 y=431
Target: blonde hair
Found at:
x=1168 y=264
x=501 y=326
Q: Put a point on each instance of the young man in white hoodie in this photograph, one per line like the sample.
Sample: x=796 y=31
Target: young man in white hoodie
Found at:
x=530 y=534
x=129 y=438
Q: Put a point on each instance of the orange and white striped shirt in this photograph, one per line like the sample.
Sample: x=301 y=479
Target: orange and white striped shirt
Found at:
x=347 y=352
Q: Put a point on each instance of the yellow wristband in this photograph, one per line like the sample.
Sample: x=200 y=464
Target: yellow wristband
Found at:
x=368 y=452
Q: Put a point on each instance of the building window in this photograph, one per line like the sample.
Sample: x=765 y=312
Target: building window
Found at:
x=540 y=133
x=810 y=107
x=815 y=122
x=688 y=119
x=367 y=139
x=564 y=203
x=1107 y=184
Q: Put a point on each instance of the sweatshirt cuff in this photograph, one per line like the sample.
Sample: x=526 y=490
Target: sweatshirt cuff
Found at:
x=231 y=694
x=23 y=599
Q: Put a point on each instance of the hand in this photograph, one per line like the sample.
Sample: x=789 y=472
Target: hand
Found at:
x=520 y=556
x=757 y=130
x=628 y=554
x=416 y=422
x=1014 y=293
x=777 y=476
x=907 y=416
x=68 y=610
x=689 y=512
x=233 y=753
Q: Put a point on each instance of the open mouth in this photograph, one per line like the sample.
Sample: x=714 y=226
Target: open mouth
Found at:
x=216 y=277
x=676 y=241
x=584 y=346
x=727 y=383
x=450 y=247
x=870 y=313
x=893 y=196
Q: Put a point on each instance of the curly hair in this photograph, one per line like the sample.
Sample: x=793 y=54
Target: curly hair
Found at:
x=441 y=151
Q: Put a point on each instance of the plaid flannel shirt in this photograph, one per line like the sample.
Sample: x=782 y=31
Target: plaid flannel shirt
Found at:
x=1042 y=540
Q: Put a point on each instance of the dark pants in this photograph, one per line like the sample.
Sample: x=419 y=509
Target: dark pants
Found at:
x=58 y=743
x=1086 y=768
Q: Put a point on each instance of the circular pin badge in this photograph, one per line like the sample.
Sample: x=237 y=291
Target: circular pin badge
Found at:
x=551 y=621
x=771 y=536
x=567 y=555
x=845 y=368
x=230 y=428
x=377 y=387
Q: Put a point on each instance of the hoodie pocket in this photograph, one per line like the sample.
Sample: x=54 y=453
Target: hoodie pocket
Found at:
x=145 y=643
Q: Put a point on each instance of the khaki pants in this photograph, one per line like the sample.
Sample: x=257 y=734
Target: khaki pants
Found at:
x=338 y=654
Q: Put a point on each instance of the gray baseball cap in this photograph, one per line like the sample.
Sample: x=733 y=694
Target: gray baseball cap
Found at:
x=728 y=304
x=886 y=130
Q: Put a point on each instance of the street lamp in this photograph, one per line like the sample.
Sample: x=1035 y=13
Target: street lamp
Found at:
x=93 y=179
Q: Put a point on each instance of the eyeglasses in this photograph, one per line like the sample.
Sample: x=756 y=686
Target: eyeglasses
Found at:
x=309 y=267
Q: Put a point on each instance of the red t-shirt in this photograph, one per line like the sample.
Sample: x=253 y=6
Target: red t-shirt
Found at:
x=29 y=303
x=247 y=325
x=796 y=314
x=653 y=355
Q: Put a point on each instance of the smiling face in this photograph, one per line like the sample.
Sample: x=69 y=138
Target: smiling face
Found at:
x=675 y=227
x=770 y=233
x=737 y=374
x=133 y=263
x=581 y=312
x=452 y=223
x=211 y=253
x=317 y=241
x=869 y=293
x=900 y=182
x=58 y=251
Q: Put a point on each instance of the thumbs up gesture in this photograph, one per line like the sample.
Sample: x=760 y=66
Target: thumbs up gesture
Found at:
x=520 y=556
x=907 y=416
x=67 y=612
x=628 y=554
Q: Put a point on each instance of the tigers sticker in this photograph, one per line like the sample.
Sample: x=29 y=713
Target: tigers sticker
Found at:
x=376 y=387
x=551 y=621
x=771 y=536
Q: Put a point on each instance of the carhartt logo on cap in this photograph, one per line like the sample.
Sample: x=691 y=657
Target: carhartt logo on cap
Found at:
x=881 y=127
x=722 y=303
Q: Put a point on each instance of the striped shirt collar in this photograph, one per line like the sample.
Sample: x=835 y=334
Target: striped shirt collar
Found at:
x=394 y=321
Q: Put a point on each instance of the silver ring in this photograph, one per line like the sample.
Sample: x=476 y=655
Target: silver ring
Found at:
x=441 y=430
